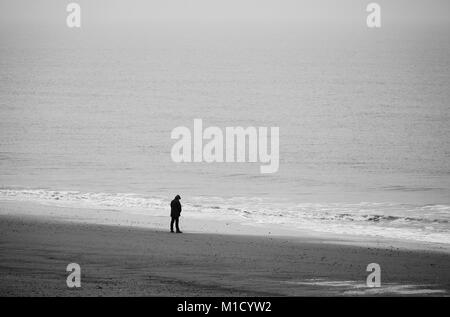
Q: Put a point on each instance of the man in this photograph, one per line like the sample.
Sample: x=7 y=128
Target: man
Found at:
x=175 y=212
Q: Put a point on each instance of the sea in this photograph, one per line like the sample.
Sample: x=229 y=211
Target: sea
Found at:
x=363 y=117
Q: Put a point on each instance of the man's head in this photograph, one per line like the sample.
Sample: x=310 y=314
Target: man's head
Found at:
x=177 y=197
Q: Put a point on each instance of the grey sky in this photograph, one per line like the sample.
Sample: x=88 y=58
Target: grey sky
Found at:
x=25 y=21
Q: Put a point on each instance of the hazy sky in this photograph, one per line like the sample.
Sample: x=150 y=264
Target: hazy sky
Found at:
x=26 y=21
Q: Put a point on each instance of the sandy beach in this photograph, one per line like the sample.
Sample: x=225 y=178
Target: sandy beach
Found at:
x=136 y=261
x=299 y=144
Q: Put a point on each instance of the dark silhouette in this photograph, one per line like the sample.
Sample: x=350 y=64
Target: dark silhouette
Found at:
x=175 y=212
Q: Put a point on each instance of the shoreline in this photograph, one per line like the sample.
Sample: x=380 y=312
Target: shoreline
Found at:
x=131 y=260
x=35 y=210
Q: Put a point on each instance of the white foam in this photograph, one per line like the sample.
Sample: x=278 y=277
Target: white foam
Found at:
x=400 y=221
x=348 y=287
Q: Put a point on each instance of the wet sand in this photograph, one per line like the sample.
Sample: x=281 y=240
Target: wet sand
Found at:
x=130 y=261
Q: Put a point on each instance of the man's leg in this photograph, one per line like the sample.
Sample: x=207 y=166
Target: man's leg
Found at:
x=171 y=224
x=177 y=221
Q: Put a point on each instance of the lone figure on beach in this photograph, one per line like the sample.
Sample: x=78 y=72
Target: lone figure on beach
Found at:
x=175 y=212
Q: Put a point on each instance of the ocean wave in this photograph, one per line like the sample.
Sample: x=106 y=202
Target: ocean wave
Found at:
x=76 y=199
x=429 y=223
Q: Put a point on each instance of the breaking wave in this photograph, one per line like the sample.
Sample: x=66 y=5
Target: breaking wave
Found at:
x=427 y=223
